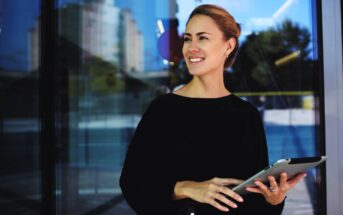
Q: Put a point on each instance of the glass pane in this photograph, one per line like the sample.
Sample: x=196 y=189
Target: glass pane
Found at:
x=277 y=71
x=113 y=59
x=20 y=191
x=102 y=110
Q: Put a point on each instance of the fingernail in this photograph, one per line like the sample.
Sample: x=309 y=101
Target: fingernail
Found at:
x=234 y=205
x=240 y=199
x=226 y=209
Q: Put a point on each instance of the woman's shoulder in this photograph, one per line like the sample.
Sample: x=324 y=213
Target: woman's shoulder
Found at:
x=173 y=100
x=232 y=100
x=242 y=103
x=158 y=104
x=160 y=100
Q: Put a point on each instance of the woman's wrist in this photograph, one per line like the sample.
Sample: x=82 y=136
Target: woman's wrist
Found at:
x=181 y=190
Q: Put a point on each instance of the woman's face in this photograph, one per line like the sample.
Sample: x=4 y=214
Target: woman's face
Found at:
x=204 y=48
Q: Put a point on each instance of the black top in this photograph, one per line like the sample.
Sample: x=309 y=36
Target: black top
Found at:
x=181 y=138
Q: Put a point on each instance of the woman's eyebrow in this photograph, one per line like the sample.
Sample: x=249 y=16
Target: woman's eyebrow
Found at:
x=198 y=34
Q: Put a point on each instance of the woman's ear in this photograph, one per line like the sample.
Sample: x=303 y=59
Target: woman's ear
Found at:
x=231 y=43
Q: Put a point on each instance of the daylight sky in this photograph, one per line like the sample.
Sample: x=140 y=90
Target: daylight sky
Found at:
x=17 y=18
x=255 y=15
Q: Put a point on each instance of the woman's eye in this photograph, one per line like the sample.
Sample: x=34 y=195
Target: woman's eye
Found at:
x=186 y=39
x=203 y=38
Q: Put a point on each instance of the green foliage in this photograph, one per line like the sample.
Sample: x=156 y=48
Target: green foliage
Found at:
x=256 y=68
x=102 y=79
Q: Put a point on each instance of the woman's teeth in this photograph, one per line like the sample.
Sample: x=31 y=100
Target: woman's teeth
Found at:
x=195 y=60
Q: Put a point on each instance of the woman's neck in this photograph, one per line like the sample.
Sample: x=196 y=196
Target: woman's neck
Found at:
x=205 y=87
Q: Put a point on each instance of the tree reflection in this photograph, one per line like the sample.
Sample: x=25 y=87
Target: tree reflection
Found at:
x=274 y=60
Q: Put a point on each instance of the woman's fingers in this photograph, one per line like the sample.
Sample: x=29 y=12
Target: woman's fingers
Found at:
x=273 y=184
x=215 y=192
x=220 y=193
x=217 y=205
x=283 y=180
x=265 y=190
x=273 y=187
x=275 y=193
x=221 y=198
x=230 y=193
x=254 y=190
x=292 y=182
x=286 y=184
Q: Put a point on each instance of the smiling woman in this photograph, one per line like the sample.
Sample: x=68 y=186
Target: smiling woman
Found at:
x=69 y=108
x=191 y=170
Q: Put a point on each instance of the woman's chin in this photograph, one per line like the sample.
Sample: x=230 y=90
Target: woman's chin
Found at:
x=196 y=72
x=199 y=74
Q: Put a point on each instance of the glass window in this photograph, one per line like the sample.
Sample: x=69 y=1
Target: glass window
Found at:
x=112 y=58
x=122 y=58
x=20 y=182
x=277 y=70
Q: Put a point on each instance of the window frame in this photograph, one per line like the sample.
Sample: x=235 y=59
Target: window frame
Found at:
x=333 y=101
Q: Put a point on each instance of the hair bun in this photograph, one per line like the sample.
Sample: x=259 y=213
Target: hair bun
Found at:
x=239 y=29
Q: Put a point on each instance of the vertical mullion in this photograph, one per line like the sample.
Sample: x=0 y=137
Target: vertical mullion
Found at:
x=47 y=105
x=320 y=131
x=333 y=98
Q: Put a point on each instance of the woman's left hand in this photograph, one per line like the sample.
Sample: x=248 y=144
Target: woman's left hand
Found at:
x=276 y=193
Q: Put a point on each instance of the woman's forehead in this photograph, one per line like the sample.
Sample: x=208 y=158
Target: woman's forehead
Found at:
x=202 y=23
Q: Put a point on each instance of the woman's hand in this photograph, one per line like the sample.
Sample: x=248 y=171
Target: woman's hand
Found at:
x=276 y=193
x=209 y=192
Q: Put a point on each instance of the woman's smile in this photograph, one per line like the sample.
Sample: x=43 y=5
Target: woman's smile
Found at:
x=195 y=60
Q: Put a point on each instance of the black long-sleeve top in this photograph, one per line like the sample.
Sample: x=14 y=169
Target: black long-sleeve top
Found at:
x=181 y=138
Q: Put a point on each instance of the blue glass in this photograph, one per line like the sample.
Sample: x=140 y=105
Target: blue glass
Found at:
x=20 y=172
x=112 y=58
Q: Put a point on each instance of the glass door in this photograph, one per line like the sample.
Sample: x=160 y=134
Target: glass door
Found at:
x=20 y=166
x=278 y=69
x=113 y=59
x=110 y=60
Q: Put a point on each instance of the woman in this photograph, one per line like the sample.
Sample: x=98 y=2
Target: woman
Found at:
x=193 y=144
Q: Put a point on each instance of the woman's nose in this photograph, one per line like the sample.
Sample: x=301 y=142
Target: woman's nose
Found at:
x=193 y=47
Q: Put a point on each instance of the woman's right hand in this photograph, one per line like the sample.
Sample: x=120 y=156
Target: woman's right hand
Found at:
x=209 y=191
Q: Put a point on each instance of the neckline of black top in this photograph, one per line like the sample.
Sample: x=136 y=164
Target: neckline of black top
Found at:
x=201 y=98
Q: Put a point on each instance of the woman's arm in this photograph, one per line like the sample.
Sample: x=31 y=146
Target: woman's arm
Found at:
x=180 y=190
x=146 y=181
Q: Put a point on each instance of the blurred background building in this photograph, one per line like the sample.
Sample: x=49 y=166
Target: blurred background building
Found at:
x=77 y=75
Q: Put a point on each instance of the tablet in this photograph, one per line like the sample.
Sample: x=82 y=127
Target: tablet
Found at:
x=291 y=166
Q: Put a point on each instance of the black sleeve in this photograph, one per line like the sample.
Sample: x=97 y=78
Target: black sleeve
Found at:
x=256 y=202
x=146 y=181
